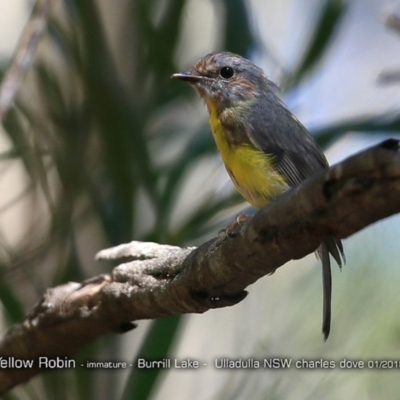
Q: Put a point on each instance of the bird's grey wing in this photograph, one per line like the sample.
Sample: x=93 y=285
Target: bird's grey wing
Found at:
x=277 y=132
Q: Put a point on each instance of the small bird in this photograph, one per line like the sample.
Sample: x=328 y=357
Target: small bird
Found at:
x=265 y=148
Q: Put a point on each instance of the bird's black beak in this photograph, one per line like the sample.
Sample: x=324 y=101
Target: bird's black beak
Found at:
x=187 y=76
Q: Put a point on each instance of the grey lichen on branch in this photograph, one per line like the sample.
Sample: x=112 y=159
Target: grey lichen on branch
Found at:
x=145 y=259
x=155 y=280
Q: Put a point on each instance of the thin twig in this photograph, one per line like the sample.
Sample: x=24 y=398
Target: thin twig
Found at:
x=24 y=54
x=392 y=21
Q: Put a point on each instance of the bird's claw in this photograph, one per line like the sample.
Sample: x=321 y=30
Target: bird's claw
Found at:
x=233 y=228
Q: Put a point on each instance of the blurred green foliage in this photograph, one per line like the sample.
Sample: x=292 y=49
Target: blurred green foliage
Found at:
x=91 y=129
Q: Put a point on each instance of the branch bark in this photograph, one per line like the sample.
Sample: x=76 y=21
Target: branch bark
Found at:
x=155 y=280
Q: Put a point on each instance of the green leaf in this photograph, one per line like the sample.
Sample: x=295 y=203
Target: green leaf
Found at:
x=238 y=35
x=376 y=124
x=156 y=346
x=324 y=33
x=14 y=311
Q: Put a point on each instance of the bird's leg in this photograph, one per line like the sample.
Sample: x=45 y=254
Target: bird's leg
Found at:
x=233 y=228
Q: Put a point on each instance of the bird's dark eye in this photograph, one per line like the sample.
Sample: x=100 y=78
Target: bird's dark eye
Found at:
x=226 y=72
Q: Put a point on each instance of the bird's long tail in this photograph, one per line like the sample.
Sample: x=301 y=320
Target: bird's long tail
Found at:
x=335 y=248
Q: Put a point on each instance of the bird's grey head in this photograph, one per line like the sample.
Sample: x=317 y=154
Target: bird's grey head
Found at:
x=226 y=79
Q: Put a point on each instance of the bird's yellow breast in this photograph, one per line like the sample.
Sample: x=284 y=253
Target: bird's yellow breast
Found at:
x=250 y=169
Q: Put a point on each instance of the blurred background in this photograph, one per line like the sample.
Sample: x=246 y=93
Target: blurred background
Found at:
x=101 y=148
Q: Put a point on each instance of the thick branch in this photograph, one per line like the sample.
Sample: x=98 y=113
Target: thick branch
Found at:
x=156 y=281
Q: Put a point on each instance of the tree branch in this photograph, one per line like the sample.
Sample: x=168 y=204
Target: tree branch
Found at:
x=157 y=280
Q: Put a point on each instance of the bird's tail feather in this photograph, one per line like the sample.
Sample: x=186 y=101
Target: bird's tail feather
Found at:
x=335 y=248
